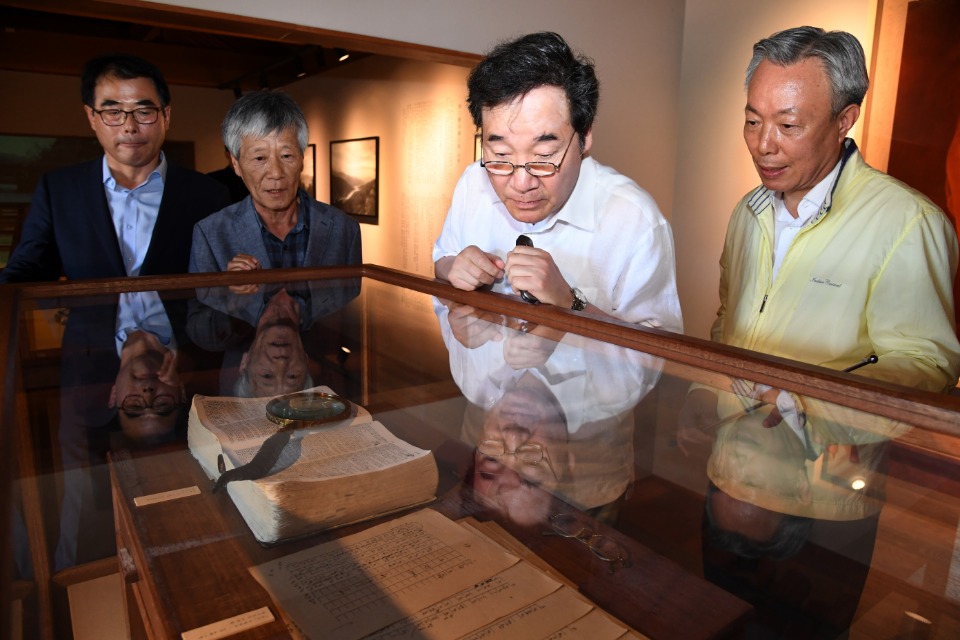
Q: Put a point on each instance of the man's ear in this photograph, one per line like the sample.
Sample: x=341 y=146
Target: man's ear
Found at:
x=91 y=116
x=236 y=165
x=847 y=118
x=243 y=361
x=587 y=141
x=112 y=402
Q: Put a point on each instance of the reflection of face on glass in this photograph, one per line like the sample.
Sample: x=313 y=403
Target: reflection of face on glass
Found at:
x=147 y=390
x=277 y=361
x=761 y=476
x=522 y=448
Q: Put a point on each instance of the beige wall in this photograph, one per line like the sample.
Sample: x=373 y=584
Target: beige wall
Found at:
x=418 y=111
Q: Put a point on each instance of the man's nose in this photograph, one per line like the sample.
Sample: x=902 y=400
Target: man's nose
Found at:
x=274 y=167
x=130 y=125
x=521 y=180
x=767 y=142
x=515 y=437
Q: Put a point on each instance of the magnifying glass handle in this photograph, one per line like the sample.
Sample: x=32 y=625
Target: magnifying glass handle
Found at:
x=524 y=241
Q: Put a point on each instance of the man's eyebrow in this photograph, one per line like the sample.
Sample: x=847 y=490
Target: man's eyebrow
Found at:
x=146 y=102
x=789 y=111
x=543 y=137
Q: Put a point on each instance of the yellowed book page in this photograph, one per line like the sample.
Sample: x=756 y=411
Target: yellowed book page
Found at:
x=343 y=450
x=596 y=625
x=500 y=536
x=475 y=607
x=537 y=620
x=242 y=422
x=351 y=587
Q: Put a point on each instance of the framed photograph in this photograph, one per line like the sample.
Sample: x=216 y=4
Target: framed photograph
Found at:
x=477 y=147
x=308 y=179
x=355 y=178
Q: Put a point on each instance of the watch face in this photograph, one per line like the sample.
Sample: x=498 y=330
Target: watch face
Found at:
x=307 y=408
x=579 y=300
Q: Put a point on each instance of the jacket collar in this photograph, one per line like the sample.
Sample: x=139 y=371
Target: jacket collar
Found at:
x=761 y=198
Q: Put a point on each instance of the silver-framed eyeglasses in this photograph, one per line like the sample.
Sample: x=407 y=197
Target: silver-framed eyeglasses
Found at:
x=531 y=454
x=135 y=405
x=536 y=169
x=604 y=547
x=116 y=117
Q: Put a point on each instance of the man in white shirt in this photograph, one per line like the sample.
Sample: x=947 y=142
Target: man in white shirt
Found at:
x=599 y=242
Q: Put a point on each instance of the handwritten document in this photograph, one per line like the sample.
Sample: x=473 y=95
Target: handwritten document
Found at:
x=425 y=576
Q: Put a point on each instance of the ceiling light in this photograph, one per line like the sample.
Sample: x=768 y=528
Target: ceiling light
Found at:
x=341 y=54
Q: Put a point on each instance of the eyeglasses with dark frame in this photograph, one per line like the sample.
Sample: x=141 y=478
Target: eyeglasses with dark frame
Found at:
x=604 y=547
x=116 y=117
x=536 y=169
x=135 y=406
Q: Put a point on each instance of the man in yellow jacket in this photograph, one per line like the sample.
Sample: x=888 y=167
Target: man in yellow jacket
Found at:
x=828 y=262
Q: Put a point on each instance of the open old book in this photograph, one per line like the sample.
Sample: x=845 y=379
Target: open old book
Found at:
x=326 y=476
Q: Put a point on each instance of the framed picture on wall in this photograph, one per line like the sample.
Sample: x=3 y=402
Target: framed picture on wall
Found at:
x=308 y=179
x=355 y=178
x=477 y=148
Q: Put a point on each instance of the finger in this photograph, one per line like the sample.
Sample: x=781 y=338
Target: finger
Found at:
x=773 y=419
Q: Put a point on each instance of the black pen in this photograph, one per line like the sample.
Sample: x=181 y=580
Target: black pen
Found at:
x=524 y=241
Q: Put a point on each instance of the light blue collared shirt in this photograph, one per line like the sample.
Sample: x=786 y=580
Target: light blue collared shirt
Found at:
x=134 y=213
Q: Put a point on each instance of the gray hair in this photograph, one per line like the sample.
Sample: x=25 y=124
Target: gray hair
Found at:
x=243 y=387
x=838 y=51
x=259 y=114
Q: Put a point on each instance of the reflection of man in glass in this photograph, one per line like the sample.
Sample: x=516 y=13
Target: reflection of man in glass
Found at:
x=147 y=390
x=277 y=338
x=276 y=362
x=522 y=447
x=119 y=388
x=788 y=517
x=571 y=397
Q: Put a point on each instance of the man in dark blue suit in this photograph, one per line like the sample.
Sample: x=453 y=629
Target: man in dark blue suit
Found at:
x=128 y=213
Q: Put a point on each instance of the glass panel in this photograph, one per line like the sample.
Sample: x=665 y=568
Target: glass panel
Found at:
x=689 y=504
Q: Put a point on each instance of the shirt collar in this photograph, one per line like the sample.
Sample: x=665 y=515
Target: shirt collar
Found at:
x=810 y=203
x=159 y=172
x=763 y=197
x=303 y=213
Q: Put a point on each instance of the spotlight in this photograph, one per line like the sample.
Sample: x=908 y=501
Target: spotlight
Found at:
x=298 y=67
x=341 y=54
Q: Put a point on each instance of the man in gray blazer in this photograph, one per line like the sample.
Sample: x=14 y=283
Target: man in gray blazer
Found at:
x=278 y=225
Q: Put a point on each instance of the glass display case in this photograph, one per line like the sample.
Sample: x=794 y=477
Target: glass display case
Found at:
x=634 y=466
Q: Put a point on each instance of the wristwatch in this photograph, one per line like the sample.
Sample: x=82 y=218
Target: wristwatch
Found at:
x=579 y=300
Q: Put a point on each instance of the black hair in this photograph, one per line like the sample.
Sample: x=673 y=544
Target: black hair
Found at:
x=125 y=67
x=512 y=69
